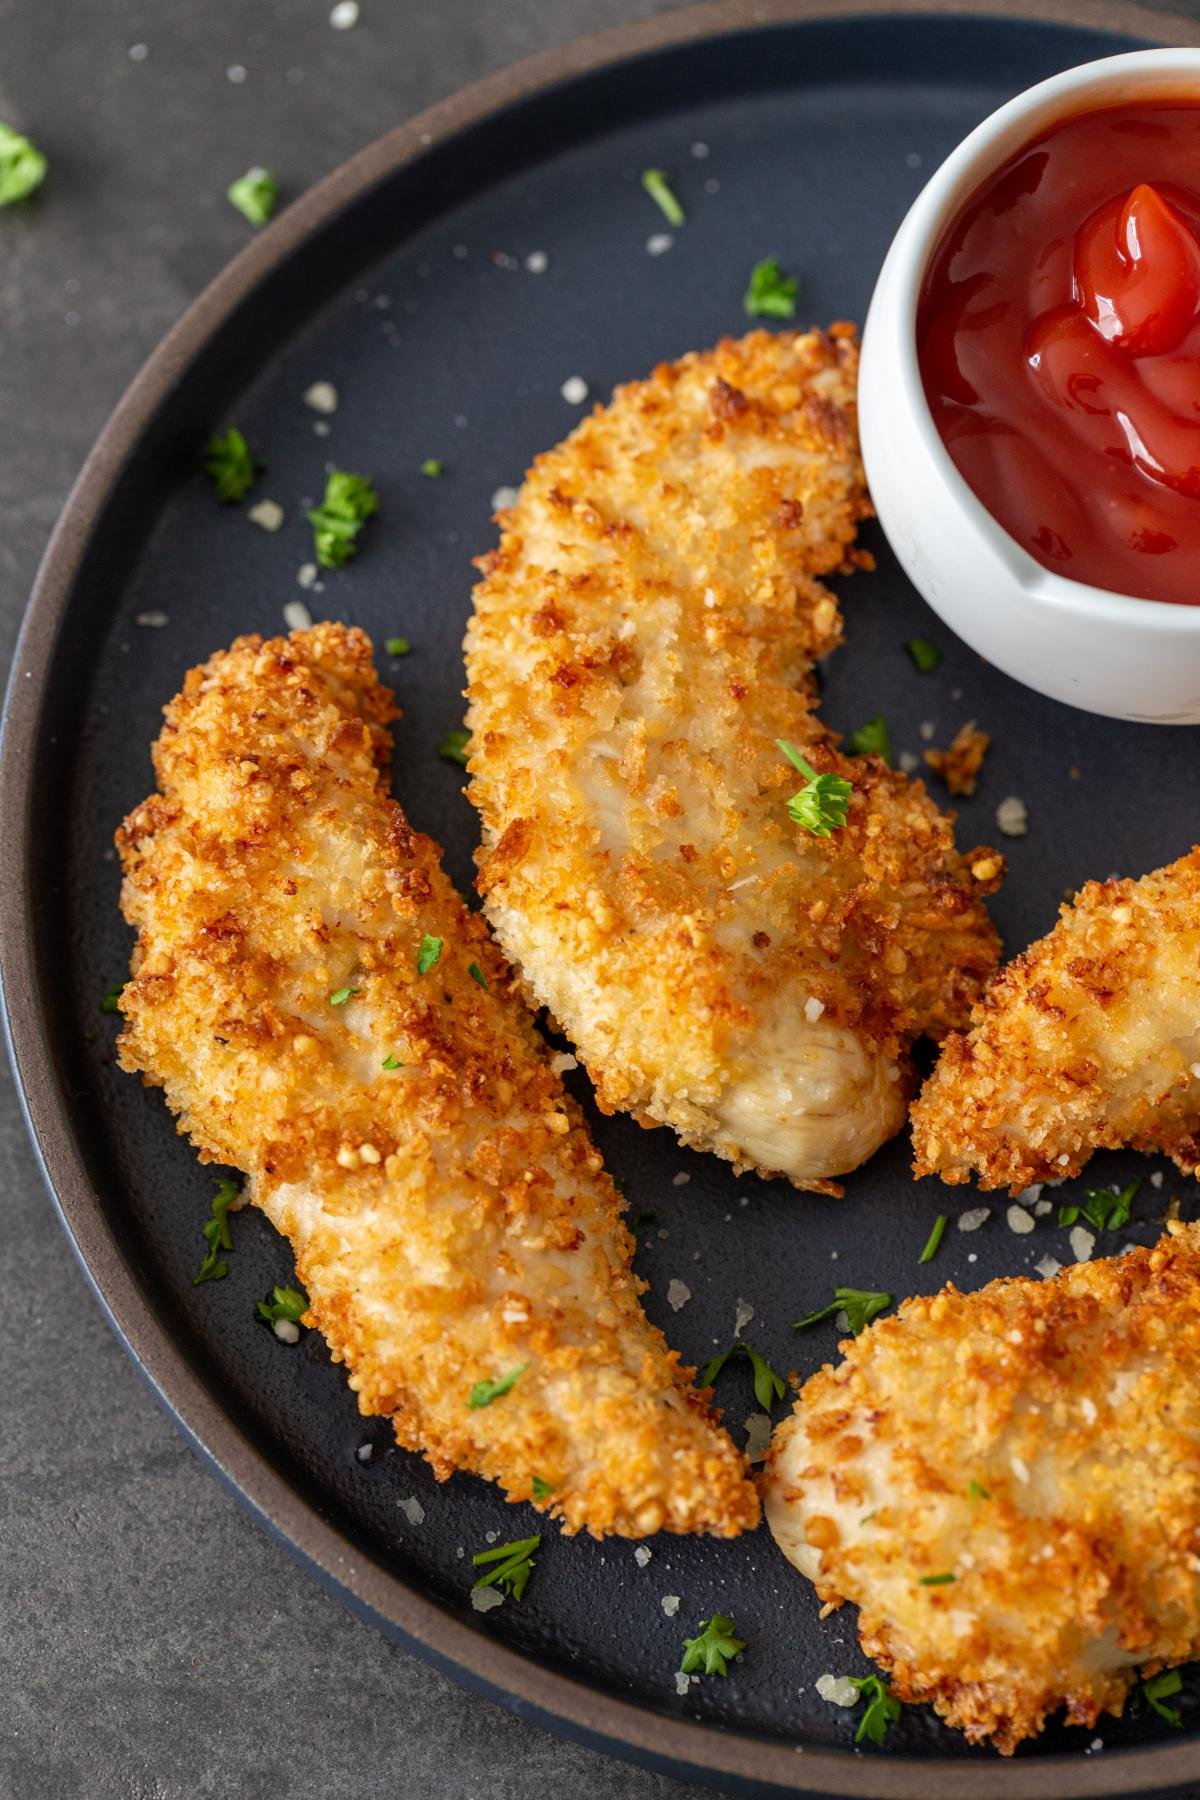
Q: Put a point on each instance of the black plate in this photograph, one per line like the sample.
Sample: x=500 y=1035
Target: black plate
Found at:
x=403 y=281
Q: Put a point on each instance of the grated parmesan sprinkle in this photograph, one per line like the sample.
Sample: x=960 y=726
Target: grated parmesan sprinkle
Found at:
x=574 y=390
x=972 y=1220
x=296 y=616
x=678 y=1294
x=1012 y=816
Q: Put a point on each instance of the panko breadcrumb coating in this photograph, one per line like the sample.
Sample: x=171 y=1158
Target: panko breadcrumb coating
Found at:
x=451 y=1218
x=1038 y=1442
x=959 y=766
x=1088 y=1041
x=642 y=636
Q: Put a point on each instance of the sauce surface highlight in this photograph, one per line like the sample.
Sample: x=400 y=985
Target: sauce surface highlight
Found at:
x=1058 y=336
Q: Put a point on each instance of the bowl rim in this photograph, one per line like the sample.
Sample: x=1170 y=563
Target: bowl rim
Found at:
x=556 y=1701
x=993 y=141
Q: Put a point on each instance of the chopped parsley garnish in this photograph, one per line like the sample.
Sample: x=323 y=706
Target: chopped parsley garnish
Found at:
x=255 y=194
x=646 y=1217
x=771 y=294
x=867 y=1517
x=768 y=1386
x=938 y=1580
x=216 y=1232
x=712 y=1649
x=1160 y=1688
x=229 y=464
x=484 y=1392
x=976 y=1490
x=349 y=502
x=881 y=1712
x=514 y=1565
x=454 y=746
x=341 y=995
x=391 y=1062
x=925 y=655
x=1106 y=1210
x=22 y=166
x=397 y=646
x=431 y=467
x=477 y=974
x=820 y=807
x=860 y=1306
x=429 y=954
x=871 y=739
x=282 y=1303
x=659 y=190
x=542 y=1490
x=933 y=1240
x=112 y=1000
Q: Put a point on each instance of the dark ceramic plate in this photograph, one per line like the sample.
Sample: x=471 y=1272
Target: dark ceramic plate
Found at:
x=404 y=280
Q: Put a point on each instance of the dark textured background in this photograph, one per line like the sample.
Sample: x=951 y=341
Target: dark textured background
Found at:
x=154 y=1644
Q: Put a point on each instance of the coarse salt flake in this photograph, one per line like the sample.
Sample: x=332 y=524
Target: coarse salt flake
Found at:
x=699 y=151
x=503 y=498
x=296 y=616
x=681 y=1179
x=287 y=1331
x=483 y=1599
x=682 y=1682
x=267 y=513
x=742 y=1317
x=670 y=1604
x=1012 y=816
x=642 y=1555
x=138 y=52
x=574 y=390
x=972 y=1220
x=365 y=1452
x=927 y=728
x=813 y=1008
x=413 y=1511
x=537 y=262
x=908 y=762
x=659 y=244
x=839 y=1690
x=153 y=619
x=1156 y=1180
x=1019 y=1220
x=322 y=396
x=306 y=574
x=1048 y=1267
x=1083 y=1242
x=236 y=73
x=1019 y=1467
x=344 y=15
x=678 y=1294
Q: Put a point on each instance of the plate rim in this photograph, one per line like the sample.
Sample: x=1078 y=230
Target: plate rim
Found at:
x=562 y=1703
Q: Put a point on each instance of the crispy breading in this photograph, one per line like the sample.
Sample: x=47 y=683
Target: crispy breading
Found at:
x=451 y=1218
x=1037 y=1441
x=1088 y=1041
x=644 y=633
x=959 y=765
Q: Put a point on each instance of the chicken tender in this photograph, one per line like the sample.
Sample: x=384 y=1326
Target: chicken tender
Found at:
x=1088 y=1041
x=642 y=637
x=1007 y=1485
x=325 y=1014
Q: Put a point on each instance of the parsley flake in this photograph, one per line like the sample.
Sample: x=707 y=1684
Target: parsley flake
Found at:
x=397 y=646
x=229 y=464
x=111 y=1002
x=1104 y=1208
x=454 y=746
x=881 y=1712
x=925 y=655
x=391 y=1062
x=976 y=1490
x=432 y=468
x=660 y=191
x=1160 y=1688
x=542 y=1490
x=484 y=1392
x=255 y=194
x=871 y=739
x=768 y=1386
x=216 y=1232
x=938 y=1580
x=713 y=1647
x=514 y=1565
x=22 y=166
x=820 y=807
x=350 y=500
x=341 y=995
x=771 y=294
x=933 y=1240
x=645 y=1217
x=282 y=1303
x=429 y=954
x=860 y=1306
x=477 y=974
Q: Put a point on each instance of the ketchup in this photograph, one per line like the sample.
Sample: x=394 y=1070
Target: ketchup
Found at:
x=1058 y=336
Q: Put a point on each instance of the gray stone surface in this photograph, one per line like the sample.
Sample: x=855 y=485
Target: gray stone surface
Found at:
x=153 y=1644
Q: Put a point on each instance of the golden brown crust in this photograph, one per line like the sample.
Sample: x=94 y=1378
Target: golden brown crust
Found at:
x=642 y=636
x=451 y=1218
x=1073 y=1406
x=1090 y=1040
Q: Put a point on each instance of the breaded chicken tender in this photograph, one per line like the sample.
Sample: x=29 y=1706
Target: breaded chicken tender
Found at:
x=643 y=635
x=1088 y=1041
x=1007 y=1485
x=325 y=1014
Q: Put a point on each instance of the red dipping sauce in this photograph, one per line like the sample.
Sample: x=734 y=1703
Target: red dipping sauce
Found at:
x=1058 y=336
